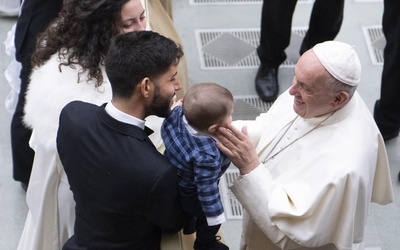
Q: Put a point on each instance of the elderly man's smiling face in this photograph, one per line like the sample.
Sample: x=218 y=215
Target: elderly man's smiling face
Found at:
x=312 y=97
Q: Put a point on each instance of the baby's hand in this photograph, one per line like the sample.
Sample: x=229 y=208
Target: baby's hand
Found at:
x=177 y=103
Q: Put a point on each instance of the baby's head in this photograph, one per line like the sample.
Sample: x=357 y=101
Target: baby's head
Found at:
x=208 y=106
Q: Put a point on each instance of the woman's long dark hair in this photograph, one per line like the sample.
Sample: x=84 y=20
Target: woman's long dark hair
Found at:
x=81 y=34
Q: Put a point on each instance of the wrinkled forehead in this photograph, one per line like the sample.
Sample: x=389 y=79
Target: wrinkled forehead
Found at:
x=309 y=67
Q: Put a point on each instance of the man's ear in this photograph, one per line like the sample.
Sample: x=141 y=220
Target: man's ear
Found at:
x=145 y=87
x=213 y=128
x=341 y=99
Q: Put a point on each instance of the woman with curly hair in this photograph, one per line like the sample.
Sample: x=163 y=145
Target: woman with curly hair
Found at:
x=67 y=65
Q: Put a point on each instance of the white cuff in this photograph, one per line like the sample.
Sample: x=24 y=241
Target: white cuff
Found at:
x=212 y=221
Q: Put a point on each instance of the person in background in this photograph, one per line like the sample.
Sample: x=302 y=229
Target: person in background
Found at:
x=317 y=162
x=276 y=20
x=129 y=195
x=67 y=65
x=190 y=147
x=387 y=108
x=34 y=17
x=160 y=19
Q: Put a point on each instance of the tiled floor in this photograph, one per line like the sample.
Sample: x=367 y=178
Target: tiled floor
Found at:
x=219 y=39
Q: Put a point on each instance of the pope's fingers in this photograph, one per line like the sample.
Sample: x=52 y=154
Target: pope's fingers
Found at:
x=226 y=137
x=239 y=134
x=225 y=132
x=223 y=148
x=244 y=131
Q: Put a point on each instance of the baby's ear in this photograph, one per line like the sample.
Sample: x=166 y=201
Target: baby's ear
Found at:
x=213 y=128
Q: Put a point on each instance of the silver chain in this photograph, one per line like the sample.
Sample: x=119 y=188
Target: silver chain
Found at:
x=268 y=157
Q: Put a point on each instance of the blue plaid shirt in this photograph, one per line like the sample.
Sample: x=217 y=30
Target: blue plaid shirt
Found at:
x=200 y=163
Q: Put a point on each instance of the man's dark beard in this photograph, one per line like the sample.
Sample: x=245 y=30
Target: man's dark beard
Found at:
x=161 y=105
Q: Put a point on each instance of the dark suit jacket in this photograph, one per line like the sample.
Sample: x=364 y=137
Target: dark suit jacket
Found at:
x=34 y=18
x=126 y=192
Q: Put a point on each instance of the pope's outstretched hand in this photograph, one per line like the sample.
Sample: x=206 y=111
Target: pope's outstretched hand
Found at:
x=237 y=146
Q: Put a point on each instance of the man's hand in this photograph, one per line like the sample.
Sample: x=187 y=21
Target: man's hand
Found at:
x=237 y=146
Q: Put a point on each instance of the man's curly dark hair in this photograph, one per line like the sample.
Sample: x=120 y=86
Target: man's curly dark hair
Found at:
x=81 y=34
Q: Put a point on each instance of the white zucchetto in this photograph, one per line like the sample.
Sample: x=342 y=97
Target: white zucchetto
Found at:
x=340 y=60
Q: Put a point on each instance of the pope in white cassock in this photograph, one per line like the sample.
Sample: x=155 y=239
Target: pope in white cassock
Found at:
x=318 y=160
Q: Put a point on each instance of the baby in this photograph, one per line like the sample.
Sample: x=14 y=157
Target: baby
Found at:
x=190 y=147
